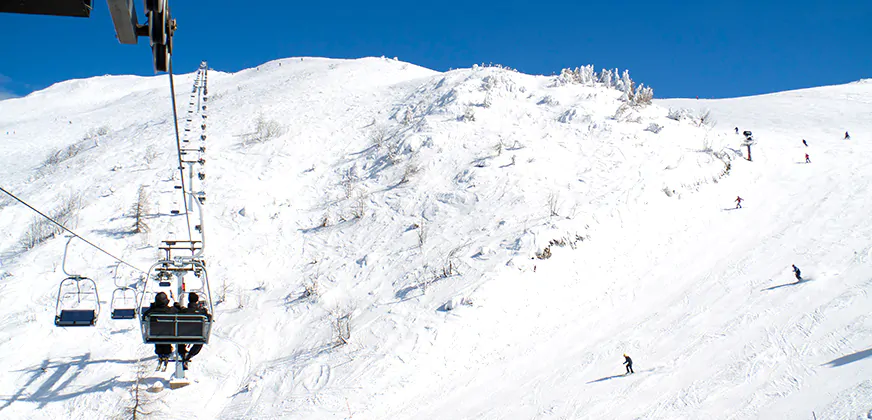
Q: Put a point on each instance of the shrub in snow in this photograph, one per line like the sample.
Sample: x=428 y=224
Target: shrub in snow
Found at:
x=94 y=133
x=548 y=100
x=613 y=79
x=455 y=302
x=678 y=114
x=567 y=116
x=264 y=130
x=151 y=154
x=139 y=210
x=468 y=115
x=644 y=95
x=41 y=230
x=654 y=128
x=704 y=118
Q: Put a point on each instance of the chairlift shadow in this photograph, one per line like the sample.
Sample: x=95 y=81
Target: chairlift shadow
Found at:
x=795 y=283
x=850 y=358
x=117 y=233
x=52 y=386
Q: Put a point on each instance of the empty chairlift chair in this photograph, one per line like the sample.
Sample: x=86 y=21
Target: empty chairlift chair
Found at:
x=78 y=304
x=124 y=302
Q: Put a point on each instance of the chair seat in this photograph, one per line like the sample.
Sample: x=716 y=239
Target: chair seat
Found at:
x=124 y=313
x=76 y=318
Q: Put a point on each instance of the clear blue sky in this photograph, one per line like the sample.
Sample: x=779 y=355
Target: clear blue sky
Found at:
x=681 y=48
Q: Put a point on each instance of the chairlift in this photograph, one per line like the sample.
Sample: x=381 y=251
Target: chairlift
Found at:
x=78 y=304
x=177 y=328
x=124 y=300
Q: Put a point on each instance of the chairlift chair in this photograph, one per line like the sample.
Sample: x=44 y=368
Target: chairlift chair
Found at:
x=77 y=307
x=124 y=300
x=176 y=328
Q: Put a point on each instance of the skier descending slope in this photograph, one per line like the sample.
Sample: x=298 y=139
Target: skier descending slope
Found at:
x=797 y=273
x=739 y=201
x=807 y=160
x=629 y=363
x=847 y=136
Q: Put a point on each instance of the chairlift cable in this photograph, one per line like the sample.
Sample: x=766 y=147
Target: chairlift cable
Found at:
x=71 y=232
x=179 y=146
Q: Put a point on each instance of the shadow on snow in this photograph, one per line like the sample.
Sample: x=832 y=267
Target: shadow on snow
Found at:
x=56 y=380
x=851 y=358
x=795 y=283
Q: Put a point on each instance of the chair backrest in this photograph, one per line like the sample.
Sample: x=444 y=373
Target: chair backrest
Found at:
x=176 y=328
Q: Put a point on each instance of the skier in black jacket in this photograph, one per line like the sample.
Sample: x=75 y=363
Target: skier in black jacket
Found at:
x=629 y=363
x=161 y=305
x=796 y=273
x=194 y=307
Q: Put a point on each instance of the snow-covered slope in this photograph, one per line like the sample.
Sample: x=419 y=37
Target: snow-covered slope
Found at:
x=396 y=190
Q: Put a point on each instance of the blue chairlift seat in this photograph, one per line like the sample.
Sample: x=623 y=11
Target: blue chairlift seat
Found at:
x=124 y=313
x=76 y=318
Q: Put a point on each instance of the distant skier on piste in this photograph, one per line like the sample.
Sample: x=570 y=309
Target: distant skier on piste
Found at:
x=807 y=160
x=739 y=201
x=804 y=143
x=737 y=130
x=847 y=136
x=629 y=363
x=797 y=273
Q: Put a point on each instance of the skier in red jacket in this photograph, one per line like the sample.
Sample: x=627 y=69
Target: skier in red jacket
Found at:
x=739 y=201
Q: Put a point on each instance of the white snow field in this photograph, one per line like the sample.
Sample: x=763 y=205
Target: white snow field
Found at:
x=417 y=202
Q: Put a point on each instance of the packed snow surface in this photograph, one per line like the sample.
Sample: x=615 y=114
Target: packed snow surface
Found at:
x=496 y=242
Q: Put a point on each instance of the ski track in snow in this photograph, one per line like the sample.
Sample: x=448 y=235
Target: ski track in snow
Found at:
x=442 y=208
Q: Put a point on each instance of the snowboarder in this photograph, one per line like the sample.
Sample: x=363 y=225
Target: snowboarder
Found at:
x=161 y=305
x=796 y=273
x=739 y=201
x=629 y=363
x=804 y=143
x=194 y=307
x=807 y=160
x=847 y=136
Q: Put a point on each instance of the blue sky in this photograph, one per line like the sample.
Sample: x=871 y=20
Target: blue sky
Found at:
x=681 y=48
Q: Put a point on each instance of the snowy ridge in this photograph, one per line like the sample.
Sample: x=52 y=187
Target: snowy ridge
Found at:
x=395 y=190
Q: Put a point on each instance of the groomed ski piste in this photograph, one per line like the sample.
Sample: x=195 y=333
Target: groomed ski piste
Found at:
x=490 y=242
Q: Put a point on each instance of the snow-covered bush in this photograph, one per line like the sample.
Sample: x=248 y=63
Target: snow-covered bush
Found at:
x=678 y=114
x=264 y=130
x=41 y=230
x=613 y=79
x=704 y=118
x=654 y=128
x=468 y=115
x=139 y=210
x=96 y=132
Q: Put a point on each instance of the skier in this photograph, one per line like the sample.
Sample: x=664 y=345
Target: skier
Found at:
x=739 y=201
x=629 y=363
x=796 y=273
x=194 y=307
x=807 y=160
x=161 y=305
x=737 y=130
x=804 y=143
x=847 y=136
